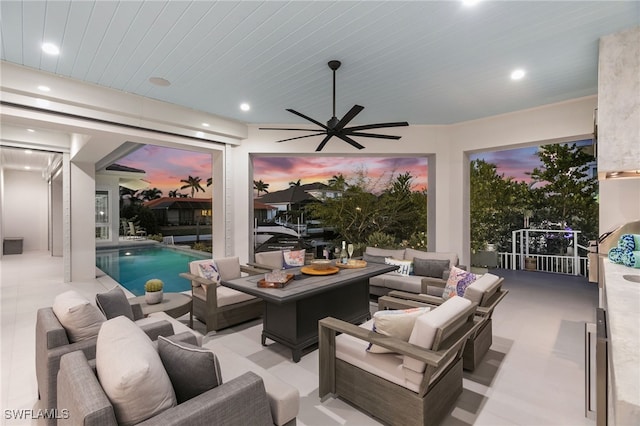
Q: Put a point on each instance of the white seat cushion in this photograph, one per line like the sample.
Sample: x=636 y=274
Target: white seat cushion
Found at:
x=387 y=366
x=229 y=296
x=411 y=283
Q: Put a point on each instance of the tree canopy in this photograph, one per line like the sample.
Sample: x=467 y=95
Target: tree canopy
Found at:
x=359 y=212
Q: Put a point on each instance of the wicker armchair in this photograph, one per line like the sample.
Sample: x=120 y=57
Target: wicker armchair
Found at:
x=217 y=306
x=376 y=383
x=487 y=296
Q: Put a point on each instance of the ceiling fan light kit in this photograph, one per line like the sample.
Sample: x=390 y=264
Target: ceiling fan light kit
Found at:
x=336 y=127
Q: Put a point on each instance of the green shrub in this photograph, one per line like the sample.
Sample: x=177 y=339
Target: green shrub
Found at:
x=201 y=247
x=155 y=237
x=381 y=240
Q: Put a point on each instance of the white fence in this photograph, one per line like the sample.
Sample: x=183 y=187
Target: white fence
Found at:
x=573 y=265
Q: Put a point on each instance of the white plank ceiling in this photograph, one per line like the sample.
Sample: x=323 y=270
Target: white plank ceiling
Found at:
x=425 y=62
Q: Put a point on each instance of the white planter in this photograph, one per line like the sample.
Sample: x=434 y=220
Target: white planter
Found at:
x=153 y=297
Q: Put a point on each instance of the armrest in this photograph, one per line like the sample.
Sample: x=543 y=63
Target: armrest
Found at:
x=136 y=308
x=159 y=328
x=486 y=311
x=435 y=358
x=252 y=270
x=197 y=278
x=80 y=395
x=422 y=298
x=49 y=330
x=260 y=266
x=430 y=282
x=241 y=401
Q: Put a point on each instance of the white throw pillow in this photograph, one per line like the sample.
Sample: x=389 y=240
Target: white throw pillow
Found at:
x=426 y=326
x=131 y=372
x=80 y=319
x=405 y=267
x=395 y=323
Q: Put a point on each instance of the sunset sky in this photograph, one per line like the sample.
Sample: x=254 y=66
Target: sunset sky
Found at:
x=165 y=167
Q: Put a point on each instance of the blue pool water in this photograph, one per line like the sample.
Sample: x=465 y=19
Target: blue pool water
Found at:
x=132 y=267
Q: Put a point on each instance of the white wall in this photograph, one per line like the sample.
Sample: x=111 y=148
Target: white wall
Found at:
x=25 y=208
x=448 y=148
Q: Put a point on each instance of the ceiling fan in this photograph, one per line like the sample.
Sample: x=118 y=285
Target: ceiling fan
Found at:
x=335 y=127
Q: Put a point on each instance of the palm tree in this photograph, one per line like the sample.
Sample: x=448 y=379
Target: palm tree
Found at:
x=209 y=181
x=173 y=194
x=260 y=186
x=193 y=183
x=338 y=182
x=151 y=194
x=296 y=183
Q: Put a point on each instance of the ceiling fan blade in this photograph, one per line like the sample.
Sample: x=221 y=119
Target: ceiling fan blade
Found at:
x=308 y=118
x=302 y=137
x=377 y=126
x=300 y=130
x=355 y=110
x=323 y=143
x=350 y=141
x=372 y=135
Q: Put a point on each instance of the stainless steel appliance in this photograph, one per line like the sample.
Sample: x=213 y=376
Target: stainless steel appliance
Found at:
x=596 y=369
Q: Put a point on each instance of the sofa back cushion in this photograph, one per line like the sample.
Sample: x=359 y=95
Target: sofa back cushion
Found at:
x=272 y=259
x=434 y=268
x=426 y=328
x=131 y=372
x=485 y=285
x=411 y=254
x=80 y=319
x=375 y=251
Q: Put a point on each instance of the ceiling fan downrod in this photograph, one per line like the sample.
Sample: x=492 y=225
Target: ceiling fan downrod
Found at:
x=334 y=65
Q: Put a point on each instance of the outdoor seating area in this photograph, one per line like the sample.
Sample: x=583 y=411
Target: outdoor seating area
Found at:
x=220 y=307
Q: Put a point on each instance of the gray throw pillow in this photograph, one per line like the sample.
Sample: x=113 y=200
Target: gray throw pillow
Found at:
x=369 y=258
x=430 y=267
x=192 y=370
x=114 y=303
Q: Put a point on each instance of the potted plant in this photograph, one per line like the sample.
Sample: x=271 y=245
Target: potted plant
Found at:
x=153 y=291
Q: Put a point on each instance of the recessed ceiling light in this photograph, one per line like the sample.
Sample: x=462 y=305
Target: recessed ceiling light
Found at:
x=245 y=106
x=28 y=151
x=27 y=168
x=159 y=81
x=44 y=88
x=517 y=74
x=30 y=130
x=205 y=124
x=50 y=48
x=199 y=134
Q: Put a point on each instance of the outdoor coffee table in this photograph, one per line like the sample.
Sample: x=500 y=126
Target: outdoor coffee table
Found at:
x=173 y=304
x=291 y=313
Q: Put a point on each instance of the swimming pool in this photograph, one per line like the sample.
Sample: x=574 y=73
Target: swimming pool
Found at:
x=133 y=266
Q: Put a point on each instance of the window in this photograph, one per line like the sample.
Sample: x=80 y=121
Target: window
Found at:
x=103 y=223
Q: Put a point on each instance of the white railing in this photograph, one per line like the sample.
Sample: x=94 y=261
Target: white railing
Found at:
x=573 y=265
